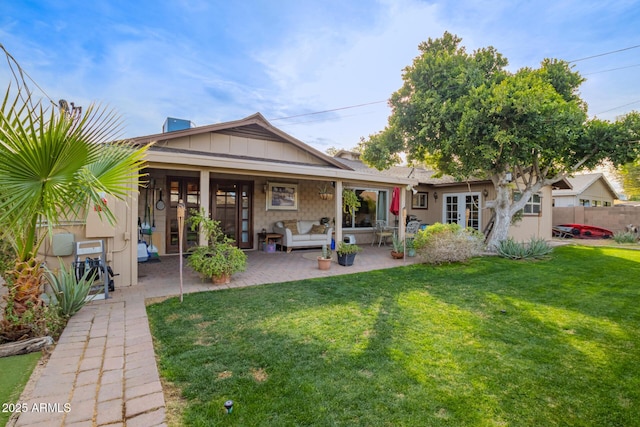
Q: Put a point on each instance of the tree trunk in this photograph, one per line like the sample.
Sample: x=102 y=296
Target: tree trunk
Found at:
x=24 y=347
x=502 y=208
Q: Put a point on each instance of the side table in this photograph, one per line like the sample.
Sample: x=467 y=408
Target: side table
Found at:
x=275 y=238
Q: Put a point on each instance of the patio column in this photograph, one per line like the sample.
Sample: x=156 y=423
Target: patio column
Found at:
x=204 y=200
x=338 y=210
x=403 y=212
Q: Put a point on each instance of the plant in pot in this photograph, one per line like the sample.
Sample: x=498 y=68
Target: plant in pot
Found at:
x=325 y=193
x=324 y=260
x=350 y=204
x=398 y=247
x=347 y=253
x=220 y=258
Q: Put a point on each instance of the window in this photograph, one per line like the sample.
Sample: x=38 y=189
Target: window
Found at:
x=420 y=200
x=606 y=203
x=585 y=202
x=533 y=206
x=373 y=207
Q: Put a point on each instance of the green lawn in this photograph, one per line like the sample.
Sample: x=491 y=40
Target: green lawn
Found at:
x=490 y=343
x=14 y=374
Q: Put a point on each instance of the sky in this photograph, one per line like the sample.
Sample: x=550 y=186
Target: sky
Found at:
x=321 y=71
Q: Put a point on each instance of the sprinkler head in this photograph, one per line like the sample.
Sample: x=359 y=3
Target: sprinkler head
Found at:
x=229 y=406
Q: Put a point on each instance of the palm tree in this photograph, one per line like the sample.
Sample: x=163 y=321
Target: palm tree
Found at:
x=54 y=166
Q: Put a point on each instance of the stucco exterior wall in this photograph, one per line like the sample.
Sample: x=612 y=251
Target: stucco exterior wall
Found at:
x=119 y=240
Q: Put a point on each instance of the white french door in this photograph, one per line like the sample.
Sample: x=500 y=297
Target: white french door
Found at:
x=462 y=209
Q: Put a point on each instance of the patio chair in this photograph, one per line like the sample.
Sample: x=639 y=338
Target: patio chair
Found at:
x=412 y=229
x=381 y=233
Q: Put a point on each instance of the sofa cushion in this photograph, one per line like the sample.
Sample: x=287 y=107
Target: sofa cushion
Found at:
x=317 y=229
x=292 y=225
x=304 y=225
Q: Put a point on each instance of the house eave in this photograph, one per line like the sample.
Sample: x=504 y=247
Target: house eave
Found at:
x=243 y=165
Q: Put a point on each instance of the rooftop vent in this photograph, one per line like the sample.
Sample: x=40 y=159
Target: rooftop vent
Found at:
x=173 y=124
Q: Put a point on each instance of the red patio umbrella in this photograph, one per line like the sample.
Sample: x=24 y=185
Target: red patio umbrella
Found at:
x=395 y=202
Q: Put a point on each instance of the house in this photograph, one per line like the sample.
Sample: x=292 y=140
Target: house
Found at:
x=589 y=190
x=443 y=199
x=250 y=175
x=247 y=174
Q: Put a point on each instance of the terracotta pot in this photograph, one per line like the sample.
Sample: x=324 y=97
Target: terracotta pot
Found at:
x=397 y=255
x=221 y=280
x=324 y=263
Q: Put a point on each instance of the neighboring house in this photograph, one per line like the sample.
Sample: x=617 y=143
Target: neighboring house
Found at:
x=249 y=175
x=588 y=190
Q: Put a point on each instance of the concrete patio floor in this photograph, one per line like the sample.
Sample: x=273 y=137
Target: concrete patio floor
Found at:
x=102 y=372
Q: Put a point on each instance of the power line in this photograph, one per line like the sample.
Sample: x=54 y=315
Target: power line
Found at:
x=618 y=107
x=328 y=111
x=606 y=53
x=612 y=69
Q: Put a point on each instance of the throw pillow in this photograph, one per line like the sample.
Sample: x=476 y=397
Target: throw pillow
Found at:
x=292 y=225
x=317 y=229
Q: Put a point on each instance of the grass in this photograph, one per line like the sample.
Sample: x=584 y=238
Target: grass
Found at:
x=16 y=371
x=490 y=343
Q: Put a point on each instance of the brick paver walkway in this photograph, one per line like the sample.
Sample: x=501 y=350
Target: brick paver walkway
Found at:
x=102 y=371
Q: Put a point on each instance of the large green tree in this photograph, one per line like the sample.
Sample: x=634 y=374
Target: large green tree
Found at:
x=467 y=116
x=54 y=166
x=629 y=176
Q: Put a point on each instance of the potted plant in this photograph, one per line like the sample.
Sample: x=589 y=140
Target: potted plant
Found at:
x=325 y=193
x=347 y=253
x=350 y=204
x=324 y=260
x=398 y=247
x=220 y=258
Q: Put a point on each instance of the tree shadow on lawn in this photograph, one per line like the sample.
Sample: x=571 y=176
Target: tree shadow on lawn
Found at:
x=453 y=345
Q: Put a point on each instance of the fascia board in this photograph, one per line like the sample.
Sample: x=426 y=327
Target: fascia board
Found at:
x=194 y=162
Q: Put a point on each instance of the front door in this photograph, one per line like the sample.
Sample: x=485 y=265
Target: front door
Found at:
x=462 y=209
x=231 y=204
x=187 y=189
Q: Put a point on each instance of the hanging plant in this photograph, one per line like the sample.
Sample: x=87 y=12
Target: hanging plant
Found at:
x=350 y=201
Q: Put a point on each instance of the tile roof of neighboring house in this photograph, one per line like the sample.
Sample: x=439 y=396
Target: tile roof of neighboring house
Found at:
x=582 y=182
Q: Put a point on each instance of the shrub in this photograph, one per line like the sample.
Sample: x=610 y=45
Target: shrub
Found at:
x=35 y=321
x=625 y=237
x=441 y=243
x=536 y=248
x=69 y=294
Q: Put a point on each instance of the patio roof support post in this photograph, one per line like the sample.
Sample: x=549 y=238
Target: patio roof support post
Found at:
x=338 y=211
x=403 y=212
x=204 y=201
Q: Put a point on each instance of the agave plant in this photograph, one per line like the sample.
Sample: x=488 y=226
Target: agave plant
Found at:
x=53 y=167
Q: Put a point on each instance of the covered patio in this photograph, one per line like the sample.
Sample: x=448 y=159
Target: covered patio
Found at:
x=161 y=279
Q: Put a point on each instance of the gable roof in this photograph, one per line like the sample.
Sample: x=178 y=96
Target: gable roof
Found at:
x=580 y=183
x=254 y=126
